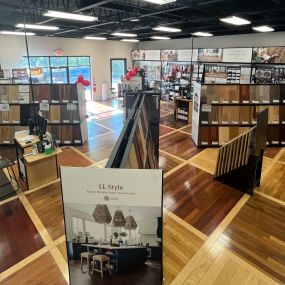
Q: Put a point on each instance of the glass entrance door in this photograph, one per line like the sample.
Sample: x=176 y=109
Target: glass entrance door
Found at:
x=118 y=70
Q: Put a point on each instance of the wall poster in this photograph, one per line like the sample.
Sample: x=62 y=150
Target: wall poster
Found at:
x=138 y=55
x=242 y=55
x=169 y=55
x=114 y=217
x=152 y=55
x=210 y=54
x=268 y=55
x=187 y=55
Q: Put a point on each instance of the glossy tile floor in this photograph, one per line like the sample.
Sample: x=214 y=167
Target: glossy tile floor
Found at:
x=213 y=234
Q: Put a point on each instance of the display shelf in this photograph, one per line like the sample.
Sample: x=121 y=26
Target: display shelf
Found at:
x=183 y=110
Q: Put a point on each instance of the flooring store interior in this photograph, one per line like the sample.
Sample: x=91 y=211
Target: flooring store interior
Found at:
x=213 y=234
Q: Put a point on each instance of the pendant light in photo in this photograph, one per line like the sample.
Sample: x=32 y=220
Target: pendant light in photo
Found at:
x=119 y=219
x=131 y=224
x=102 y=215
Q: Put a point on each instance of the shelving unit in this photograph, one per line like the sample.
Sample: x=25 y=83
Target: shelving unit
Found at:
x=226 y=111
x=63 y=105
x=183 y=110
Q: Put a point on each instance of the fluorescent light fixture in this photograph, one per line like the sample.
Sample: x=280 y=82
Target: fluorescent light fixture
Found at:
x=235 y=21
x=160 y=38
x=263 y=29
x=95 y=38
x=37 y=27
x=70 y=16
x=130 y=40
x=202 y=34
x=135 y=20
x=124 y=35
x=167 y=29
x=160 y=2
x=16 y=33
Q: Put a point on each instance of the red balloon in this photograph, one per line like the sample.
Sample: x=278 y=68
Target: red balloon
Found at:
x=128 y=77
x=86 y=83
x=136 y=68
x=80 y=79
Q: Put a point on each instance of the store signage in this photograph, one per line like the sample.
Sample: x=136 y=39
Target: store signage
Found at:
x=210 y=55
x=152 y=55
x=121 y=210
x=237 y=55
x=138 y=55
x=20 y=73
x=268 y=55
x=169 y=55
x=196 y=111
x=59 y=52
x=188 y=55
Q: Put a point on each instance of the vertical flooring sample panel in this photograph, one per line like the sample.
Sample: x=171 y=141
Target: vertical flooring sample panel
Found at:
x=64 y=95
x=233 y=132
x=245 y=115
x=204 y=136
x=224 y=135
x=13 y=94
x=204 y=118
x=35 y=89
x=5 y=135
x=56 y=131
x=244 y=94
x=234 y=94
x=282 y=93
x=214 y=115
x=15 y=114
x=72 y=90
x=25 y=114
x=4 y=93
x=66 y=134
x=273 y=135
x=64 y=114
x=263 y=92
x=34 y=110
x=273 y=115
x=253 y=95
x=54 y=93
x=76 y=134
x=54 y=114
x=206 y=97
x=282 y=135
x=44 y=93
x=282 y=114
x=5 y=117
x=275 y=94
x=213 y=94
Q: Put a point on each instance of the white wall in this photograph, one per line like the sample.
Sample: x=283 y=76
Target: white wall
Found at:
x=247 y=40
x=13 y=48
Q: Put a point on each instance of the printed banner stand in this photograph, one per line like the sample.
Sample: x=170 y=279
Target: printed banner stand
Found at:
x=113 y=224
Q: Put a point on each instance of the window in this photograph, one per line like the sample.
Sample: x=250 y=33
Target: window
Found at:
x=77 y=225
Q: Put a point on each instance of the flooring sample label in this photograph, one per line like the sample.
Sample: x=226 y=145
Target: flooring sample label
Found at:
x=121 y=205
x=24 y=88
x=24 y=98
x=4 y=107
x=235 y=101
x=44 y=106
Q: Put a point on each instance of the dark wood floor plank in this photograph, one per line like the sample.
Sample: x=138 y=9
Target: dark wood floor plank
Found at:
x=47 y=203
x=195 y=197
x=167 y=162
x=271 y=152
x=169 y=121
x=164 y=130
x=41 y=271
x=257 y=234
x=19 y=237
x=179 y=144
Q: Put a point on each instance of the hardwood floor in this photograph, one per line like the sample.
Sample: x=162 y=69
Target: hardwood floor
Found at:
x=257 y=234
x=169 y=121
x=167 y=162
x=19 y=237
x=211 y=234
x=179 y=144
x=194 y=196
x=41 y=271
x=47 y=202
x=273 y=183
x=180 y=245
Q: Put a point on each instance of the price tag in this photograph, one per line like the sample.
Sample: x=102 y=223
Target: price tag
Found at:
x=244 y=123
x=235 y=101
x=66 y=121
x=225 y=101
x=225 y=122
x=245 y=101
x=4 y=107
x=204 y=143
x=206 y=108
x=266 y=101
x=215 y=122
x=205 y=122
x=255 y=102
x=54 y=101
x=71 y=107
x=275 y=101
x=24 y=88
x=24 y=98
x=215 y=143
x=77 y=141
x=44 y=106
x=215 y=102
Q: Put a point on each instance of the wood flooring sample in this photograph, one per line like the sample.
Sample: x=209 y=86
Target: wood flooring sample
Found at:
x=54 y=93
x=5 y=135
x=14 y=114
x=13 y=94
x=54 y=114
x=275 y=94
x=244 y=94
x=224 y=135
x=76 y=134
x=4 y=93
x=44 y=93
x=273 y=115
x=66 y=134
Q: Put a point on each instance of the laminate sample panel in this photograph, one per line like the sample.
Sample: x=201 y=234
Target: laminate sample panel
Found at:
x=54 y=93
x=273 y=135
x=14 y=114
x=19 y=237
x=56 y=131
x=54 y=114
x=13 y=93
x=224 y=135
x=273 y=115
x=66 y=134
x=5 y=135
x=245 y=115
x=282 y=114
x=244 y=94
x=44 y=93
x=275 y=94
x=214 y=115
x=76 y=134
x=64 y=95
x=4 y=93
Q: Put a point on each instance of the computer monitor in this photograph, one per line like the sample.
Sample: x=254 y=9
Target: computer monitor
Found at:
x=42 y=126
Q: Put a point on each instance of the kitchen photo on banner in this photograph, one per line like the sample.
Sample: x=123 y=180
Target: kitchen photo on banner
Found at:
x=113 y=225
x=268 y=55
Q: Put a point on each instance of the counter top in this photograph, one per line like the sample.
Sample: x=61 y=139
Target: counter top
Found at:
x=112 y=247
x=40 y=156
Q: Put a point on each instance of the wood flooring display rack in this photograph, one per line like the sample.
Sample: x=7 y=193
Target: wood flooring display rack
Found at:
x=63 y=105
x=239 y=162
x=222 y=112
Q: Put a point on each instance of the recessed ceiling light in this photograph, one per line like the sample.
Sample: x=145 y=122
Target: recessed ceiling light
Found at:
x=135 y=20
x=160 y=2
x=160 y=38
x=16 y=33
x=130 y=40
x=124 y=35
x=37 y=27
x=95 y=38
x=202 y=34
x=263 y=29
x=235 y=21
x=167 y=29
x=70 y=16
